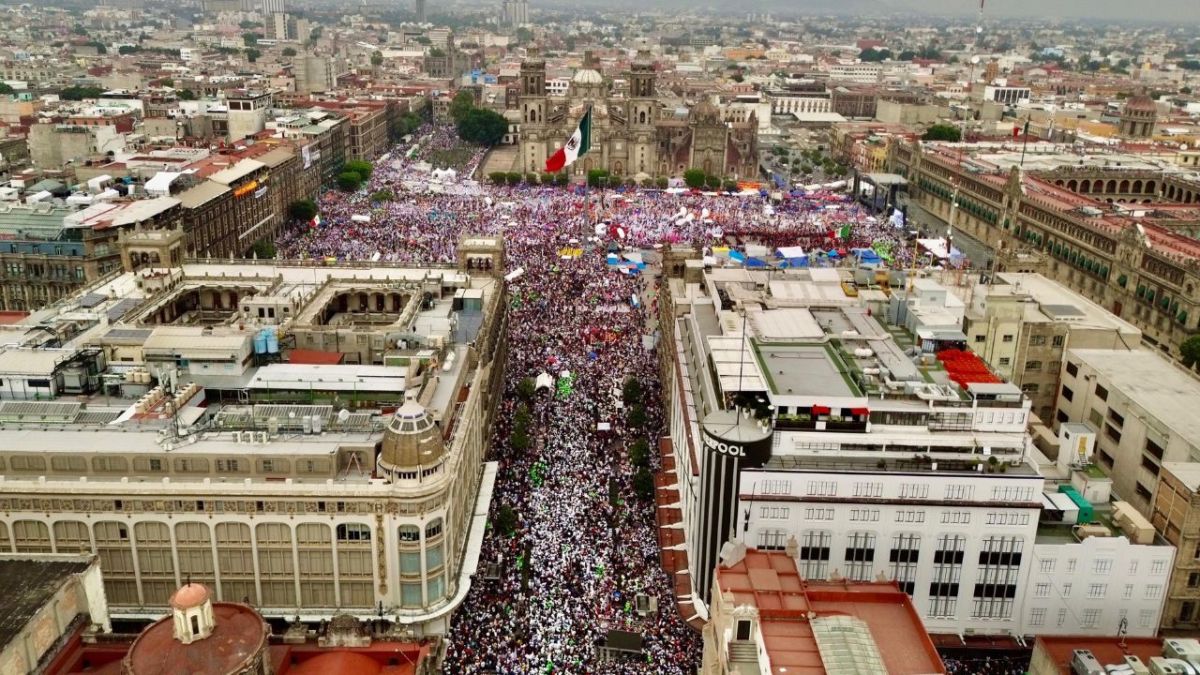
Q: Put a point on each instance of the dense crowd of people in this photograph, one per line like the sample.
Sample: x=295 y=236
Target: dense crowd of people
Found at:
x=584 y=543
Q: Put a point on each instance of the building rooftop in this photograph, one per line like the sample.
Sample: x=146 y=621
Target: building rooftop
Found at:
x=799 y=369
x=1153 y=383
x=1060 y=304
x=1107 y=650
x=239 y=636
x=817 y=627
x=27 y=585
x=1188 y=473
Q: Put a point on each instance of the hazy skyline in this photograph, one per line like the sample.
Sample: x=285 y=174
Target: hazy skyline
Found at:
x=1183 y=11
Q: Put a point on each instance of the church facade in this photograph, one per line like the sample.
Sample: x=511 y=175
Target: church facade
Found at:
x=632 y=136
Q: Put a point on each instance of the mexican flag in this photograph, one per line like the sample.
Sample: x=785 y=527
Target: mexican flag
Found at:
x=576 y=147
x=844 y=232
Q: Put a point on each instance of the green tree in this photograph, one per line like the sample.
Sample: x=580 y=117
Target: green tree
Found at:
x=79 y=93
x=637 y=416
x=166 y=82
x=349 y=181
x=100 y=48
x=377 y=58
x=661 y=182
x=871 y=55
x=506 y=520
x=643 y=484
x=247 y=25
x=526 y=388
x=79 y=30
x=1190 y=349
x=263 y=249
x=186 y=95
x=639 y=453
x=359 y=166
x=5 y=89
x=485 y=127
x=250 y=39
x=597 y=178
x=128 y=49
x=463 y=103
x=694 y=178
x=631 y=391
x=288 y=51
x=252 y=55
x=943 y=132
x=498 y=177
x=729 y=186
x=519 y=439
x=547 y=178
x=382 y=196
x=512 y=178
x=302 y=209
x=524 y=35
x=712 y=182
x=906 y=55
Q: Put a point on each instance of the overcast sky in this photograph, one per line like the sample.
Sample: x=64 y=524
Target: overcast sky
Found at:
x=1181 y=11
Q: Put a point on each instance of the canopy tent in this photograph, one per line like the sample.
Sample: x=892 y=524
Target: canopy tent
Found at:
x=792 y=256
x=544 y=381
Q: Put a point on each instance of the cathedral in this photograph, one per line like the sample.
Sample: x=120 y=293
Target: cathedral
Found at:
x=633 y=136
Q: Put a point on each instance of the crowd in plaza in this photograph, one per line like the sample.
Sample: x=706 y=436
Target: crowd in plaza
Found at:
x=584 y=543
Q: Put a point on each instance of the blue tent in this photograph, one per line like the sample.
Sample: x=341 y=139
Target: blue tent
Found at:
x=833 y=254
x=737 y=256
x=756 y=262
x=613 y=259
x=792 y=256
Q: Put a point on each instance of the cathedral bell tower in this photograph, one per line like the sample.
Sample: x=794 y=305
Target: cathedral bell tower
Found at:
x=643 y=113
x=533 y=112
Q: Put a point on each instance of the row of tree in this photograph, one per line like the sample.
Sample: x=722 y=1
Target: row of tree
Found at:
x=353 y=174
x=633 y=396
x=476 y=125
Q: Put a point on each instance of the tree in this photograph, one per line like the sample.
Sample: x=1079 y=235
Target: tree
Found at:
x=99 y=46
x=302 y=209
x=597 y=177
x=524 y=35
x=498 y=177
x=249 y=39
x=79 y=93
x=5 y=89
x=1190 y=349
x=79 y=30
x=871 y=55
x=694 y=178
x=288 y=51
x=943 y=132
x=519 y=439
x=631 y=391
x=730 y=186
x=506 y=520
x=377 y=58
x=906 y=55
x=462 y=104
x=186 y=95
x=512 y=178
x=382 y=196
x=485 y=127
x=637 y=416
x=349 y=181
x=166 y=82
x=547 y=178
x=361 y=167
x=712 y=182
x=247 y=25
x=128 y=49
x=643 y=484
x=526 y=388
x=252 y=55
x=263 y=249
x=661 y=183
x=639 y=453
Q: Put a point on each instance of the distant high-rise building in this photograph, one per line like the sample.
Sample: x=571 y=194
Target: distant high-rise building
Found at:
x=420 y=11
x=273 y=6
x=515 y=13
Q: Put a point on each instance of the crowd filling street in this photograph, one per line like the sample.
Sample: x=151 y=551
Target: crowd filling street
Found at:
x=584 y=543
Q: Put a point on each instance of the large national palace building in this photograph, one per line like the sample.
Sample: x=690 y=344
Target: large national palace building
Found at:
x=1119 y=232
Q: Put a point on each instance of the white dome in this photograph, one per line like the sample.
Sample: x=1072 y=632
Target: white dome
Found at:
x=587 y=76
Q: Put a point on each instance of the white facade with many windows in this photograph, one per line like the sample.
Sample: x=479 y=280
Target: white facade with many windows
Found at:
x=1092 y=586
x=922 y=530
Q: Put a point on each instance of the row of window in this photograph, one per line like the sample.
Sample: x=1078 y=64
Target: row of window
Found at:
x=1088 y=618
x=153 y=465
x=1101 y=566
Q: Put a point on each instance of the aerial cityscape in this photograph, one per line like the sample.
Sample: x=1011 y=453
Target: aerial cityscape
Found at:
x=541 y=337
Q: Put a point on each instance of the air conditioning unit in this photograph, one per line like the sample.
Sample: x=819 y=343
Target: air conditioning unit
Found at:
x=1186 y=649
x=1135 y=666
x=1161 y=666
x=1084 y=662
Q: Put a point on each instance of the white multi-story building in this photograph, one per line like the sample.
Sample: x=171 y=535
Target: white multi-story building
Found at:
x=872 y=460
x=1098 y=585
x=787 y=102
x=862 y=73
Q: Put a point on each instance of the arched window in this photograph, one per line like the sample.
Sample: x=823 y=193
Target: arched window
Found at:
x=410 y=533
x=434 y=528
x=353 y=532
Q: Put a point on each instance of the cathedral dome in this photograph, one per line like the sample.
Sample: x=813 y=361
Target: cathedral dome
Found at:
x=706 y=112
x=1141 y=104
x=587 y=76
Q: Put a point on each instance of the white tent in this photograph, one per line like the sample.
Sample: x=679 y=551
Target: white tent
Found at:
x=544 y=381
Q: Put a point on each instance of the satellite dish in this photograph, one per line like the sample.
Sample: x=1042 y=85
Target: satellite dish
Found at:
x=343 y=415
x=975 y=59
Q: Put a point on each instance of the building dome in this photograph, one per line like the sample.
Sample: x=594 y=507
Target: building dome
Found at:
x=1143 y=104
x=412 y=440
x=587 y=76
x=705 y=111
x=189 y=596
